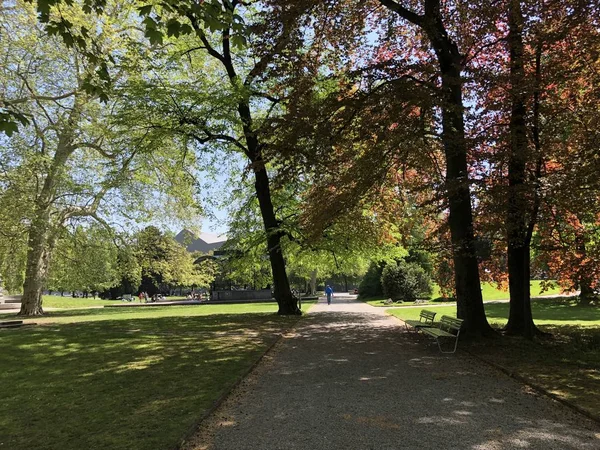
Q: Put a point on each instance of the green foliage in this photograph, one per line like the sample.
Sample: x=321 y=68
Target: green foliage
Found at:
x=84 y=261
x=406 y=281
x=371 y=286
x=164 y=262
x=421 y=258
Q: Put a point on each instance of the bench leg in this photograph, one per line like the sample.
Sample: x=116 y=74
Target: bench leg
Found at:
x=440 y=347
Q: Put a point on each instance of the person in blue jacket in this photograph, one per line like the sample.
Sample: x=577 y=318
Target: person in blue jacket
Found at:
x=329 y=292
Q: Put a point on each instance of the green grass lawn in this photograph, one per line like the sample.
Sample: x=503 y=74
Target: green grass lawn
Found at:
x=150 y=312
x=56 y=301
x=124 y=378
x=567 y=363
x=556 y=311
x=489 y=291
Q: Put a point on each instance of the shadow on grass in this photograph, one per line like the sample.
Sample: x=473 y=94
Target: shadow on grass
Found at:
x=567 y=363
x=122 y=384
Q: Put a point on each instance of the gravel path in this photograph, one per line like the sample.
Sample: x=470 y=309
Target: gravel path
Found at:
x=350 y=377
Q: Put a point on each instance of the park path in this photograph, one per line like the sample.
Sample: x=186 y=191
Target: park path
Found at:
x=350 y=377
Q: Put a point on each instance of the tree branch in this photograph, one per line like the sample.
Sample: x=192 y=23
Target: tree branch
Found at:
x=96 y=147
x=403 y=12
x=38 y=98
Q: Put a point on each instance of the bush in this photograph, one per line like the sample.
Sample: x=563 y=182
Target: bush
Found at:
x=406 y=282
x=370 y=286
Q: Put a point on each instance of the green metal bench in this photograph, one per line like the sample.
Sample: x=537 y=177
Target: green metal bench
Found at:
x=425 y=320
x=449 y=327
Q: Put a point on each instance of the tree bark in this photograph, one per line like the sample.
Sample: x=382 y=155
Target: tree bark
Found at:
x=253 y=150
x=520 y=320
x=586 y=292
x=313 y=282
x=41 y=236
x=281 y=287
x=288 y=305
x=466 y=269
x=35 y=271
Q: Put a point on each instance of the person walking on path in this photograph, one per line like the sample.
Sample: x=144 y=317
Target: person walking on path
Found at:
x=329 y=292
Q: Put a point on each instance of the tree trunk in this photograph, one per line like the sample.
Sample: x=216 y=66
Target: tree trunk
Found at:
x=40 y=241
x=281 y=287
x=520 y=319
x=287 y=303
x=313 y=282
x=586 y=292
x=35 y=271
x=466 y=269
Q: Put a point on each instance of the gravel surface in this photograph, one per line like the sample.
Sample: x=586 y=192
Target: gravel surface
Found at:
x=350 y=377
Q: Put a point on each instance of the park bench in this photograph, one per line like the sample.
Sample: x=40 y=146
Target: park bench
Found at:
x=425 y=320
x=449 y=327
x=11 y=324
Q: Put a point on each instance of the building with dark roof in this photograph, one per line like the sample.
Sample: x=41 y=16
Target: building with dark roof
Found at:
x=205 y=243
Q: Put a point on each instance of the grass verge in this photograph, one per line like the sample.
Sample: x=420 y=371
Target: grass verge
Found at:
x=127 y=380
x=56 y=301
x=133 y=313
x=567 y=364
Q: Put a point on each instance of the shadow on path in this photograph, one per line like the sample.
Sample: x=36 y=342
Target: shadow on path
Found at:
x=350 y=377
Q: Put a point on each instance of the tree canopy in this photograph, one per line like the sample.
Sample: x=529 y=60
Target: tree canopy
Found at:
x=366 y=129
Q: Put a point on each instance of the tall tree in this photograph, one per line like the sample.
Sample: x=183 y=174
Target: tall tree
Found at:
x=451 y=64
x=71 y=162
x=227 y=107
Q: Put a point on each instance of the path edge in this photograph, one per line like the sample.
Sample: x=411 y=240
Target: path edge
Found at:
x=536 y=387
x=525 y=381
x=193 y=429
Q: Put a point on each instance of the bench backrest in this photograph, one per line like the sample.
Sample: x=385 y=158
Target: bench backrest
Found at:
x=451 y=324
x=428 y=316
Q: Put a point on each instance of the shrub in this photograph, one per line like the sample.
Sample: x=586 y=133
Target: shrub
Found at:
x=370 y=286
x=406 y=282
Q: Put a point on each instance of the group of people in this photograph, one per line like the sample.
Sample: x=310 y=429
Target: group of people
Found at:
x=144 y=297
x=194 y=296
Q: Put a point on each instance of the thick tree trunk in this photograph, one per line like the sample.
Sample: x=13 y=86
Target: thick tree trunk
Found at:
x=313 y=282
x=287 y=303
x=466 y=269
x=36 y=270
x=41 y=240
x=35 y=274
x=520 y=319
x=586 y=292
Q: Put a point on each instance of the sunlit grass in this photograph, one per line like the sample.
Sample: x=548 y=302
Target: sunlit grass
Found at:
x=489 y=291
x=56 y=301
x=124 y=379
x=92 y=315
x=559 y=311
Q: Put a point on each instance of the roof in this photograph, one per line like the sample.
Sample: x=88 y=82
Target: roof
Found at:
x=205 y=243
